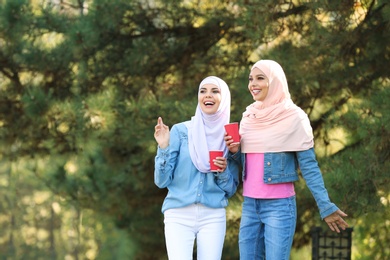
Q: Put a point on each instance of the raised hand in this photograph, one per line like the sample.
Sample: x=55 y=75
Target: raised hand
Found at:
x=161 y=134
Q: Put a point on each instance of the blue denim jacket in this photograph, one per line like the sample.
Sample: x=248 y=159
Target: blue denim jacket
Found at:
x=283 y=167
x=186 y=185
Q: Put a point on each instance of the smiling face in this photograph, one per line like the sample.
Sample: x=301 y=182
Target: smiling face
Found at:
x=258 y=84
x=209 y=98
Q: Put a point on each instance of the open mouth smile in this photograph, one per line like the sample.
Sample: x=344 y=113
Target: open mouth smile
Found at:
x=209 y=103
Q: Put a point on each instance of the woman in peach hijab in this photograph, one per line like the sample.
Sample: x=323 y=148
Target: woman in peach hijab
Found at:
x=276 y=141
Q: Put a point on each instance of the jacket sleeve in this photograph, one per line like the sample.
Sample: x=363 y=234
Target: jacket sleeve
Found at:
x=228 y=179
x=166 y=159
x=313 y=177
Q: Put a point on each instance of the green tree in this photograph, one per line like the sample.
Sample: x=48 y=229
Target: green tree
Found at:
x=83 y=82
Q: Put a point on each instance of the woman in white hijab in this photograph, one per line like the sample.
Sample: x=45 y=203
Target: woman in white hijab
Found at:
x=194 y=207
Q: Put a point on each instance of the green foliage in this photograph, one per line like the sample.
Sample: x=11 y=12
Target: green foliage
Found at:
x=83 y=82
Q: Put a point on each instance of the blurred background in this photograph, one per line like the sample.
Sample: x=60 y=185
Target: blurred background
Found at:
x=82 y=83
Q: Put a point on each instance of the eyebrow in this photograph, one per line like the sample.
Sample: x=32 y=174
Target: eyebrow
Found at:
x=260 y=74
x=211 y=88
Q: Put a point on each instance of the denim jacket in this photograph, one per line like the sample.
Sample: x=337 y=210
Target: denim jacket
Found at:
x=186 y=185
x=283 y=167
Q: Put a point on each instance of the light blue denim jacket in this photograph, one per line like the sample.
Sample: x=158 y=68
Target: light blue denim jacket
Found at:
x=283 y=167
x=173 y=169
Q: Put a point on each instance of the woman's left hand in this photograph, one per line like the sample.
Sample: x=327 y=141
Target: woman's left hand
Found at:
x=335 y=221
x=221 y=162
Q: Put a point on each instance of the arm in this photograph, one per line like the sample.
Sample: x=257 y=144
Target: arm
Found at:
x=167 y=152
x=313 y=177
x=228 y=179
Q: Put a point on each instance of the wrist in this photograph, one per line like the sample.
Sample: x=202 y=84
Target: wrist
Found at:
x=163 y=145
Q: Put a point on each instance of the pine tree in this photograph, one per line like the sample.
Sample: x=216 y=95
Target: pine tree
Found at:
x=83 y=82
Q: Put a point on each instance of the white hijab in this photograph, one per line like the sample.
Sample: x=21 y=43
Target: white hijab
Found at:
x=206 y=132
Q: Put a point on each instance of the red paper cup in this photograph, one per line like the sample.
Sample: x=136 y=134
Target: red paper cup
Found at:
x=232 y=130
x=213 y=155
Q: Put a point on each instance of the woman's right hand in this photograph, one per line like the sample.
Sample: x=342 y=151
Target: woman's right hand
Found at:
x=231 y=145
x=161 y=134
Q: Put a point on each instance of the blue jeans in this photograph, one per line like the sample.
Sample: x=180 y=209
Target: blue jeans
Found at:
x=267 y=228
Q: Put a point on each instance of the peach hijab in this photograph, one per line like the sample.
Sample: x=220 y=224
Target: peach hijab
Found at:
x=275 y=124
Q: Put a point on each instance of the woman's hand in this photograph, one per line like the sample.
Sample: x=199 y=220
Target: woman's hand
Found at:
x=221 y=162
x=161 y=134
x=335 y=221
x=233 y=147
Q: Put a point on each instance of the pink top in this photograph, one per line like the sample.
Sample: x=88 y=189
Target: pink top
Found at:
x=254 y=185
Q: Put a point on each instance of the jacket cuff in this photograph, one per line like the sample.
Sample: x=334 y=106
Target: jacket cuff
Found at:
x=328 y=211
x=223 y=176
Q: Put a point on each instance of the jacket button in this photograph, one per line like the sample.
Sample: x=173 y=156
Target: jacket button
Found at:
x=269 y=179
x=268 y=163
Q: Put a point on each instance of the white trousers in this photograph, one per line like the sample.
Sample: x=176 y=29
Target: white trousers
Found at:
x=183 y=225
